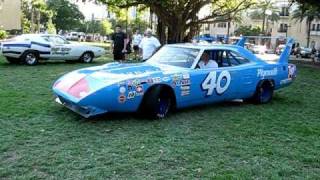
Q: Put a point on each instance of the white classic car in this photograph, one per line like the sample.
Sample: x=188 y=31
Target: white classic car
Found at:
x=30 y=48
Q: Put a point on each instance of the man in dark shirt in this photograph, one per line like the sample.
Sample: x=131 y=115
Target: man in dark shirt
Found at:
x=119 y=44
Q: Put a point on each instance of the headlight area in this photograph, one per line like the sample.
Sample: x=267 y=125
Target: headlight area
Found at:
x=85 y=111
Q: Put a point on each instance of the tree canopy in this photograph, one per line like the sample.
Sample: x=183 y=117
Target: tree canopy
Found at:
x=178 y=17
x=67 y=15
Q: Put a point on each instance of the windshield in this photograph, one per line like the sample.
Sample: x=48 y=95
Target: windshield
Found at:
x=175 y=56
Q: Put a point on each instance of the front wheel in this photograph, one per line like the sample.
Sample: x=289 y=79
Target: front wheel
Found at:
x=264 y=93
x=157 y=104
x=87 y=57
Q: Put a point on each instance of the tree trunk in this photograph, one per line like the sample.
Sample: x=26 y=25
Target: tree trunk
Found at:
x=161 y=32
x=263 y=21
x=38 y=19
x=175 y=34
x=309 y=33
x=32 y=21
x=228 y=32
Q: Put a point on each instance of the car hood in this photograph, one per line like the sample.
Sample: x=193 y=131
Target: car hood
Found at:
x=81 y=83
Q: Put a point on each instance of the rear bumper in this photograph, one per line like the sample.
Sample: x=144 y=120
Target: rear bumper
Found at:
x=84 y=111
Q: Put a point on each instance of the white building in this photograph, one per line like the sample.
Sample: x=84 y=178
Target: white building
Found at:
x=286 y=26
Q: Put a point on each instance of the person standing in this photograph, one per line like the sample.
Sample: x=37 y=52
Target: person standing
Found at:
x=137 y=37
x=119 y=44
x=148 y=45
x=129 y=42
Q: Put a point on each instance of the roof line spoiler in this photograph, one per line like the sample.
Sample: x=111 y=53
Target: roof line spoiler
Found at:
x=284 y=57
x=241 y=42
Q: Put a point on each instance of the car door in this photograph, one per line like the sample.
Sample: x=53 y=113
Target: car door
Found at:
x=59 y=48
x=213 y=84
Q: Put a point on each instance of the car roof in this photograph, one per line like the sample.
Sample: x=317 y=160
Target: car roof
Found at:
x=205 y=46
x=234 y=48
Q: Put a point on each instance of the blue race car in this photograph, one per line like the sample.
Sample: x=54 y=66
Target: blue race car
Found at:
x=171 y=79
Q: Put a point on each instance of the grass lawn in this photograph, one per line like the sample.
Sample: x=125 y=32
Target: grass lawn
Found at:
x=41 y=139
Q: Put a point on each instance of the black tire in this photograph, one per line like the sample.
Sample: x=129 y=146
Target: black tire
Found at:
x=13 y=60
x=157 y=103
x=30 y=58
x=264 y=93
x=87 y=57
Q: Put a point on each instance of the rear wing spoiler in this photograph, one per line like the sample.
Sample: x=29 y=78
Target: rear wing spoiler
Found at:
x=241 y=42
x=284 y=57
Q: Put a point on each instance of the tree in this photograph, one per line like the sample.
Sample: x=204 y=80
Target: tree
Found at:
x=309 y=13
x=314 y=3
x=181 y=16
x=261 y=12
x=67 y=16
x=35 y=14
x=248 y=31
x=106 y=28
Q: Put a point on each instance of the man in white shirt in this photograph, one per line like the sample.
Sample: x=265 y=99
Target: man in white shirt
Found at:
x=206 y=62
x=148 y=45
x=137 y=37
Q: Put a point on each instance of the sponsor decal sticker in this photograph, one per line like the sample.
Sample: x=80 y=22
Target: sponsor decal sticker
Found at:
x=186 y=76
x=262 y=73
x=131 y=94
x=166 y=79
x=156 y=80
x=139 y=89
x=176 y=77
x=185 y=88
x=122 y=99
x=122 y=90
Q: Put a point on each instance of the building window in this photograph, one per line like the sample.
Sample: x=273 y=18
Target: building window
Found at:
x=313 y=28
x=284 y=11
x=318 y=27
x=222 y=25
x=283 y=28
x=207 y=27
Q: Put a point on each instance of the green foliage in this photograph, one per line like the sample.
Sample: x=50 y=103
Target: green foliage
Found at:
x=248 y=31
x=181 y=16
x=3 y=34
x=67 y=16
x=106 y=27
x=261 y=8
x=35 y=13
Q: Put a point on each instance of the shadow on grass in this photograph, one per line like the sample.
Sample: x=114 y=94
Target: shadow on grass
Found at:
x=113 y=117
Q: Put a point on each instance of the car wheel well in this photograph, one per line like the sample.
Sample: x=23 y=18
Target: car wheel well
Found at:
x=91 y=52
x=37 y=53
x=166 y=89
x=266 y=82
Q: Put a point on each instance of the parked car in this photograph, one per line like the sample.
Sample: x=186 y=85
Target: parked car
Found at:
x=171 y=79
x=304 y=52
x=280 y=49
x=73 y=36
x=30 y=48
x=205 y=37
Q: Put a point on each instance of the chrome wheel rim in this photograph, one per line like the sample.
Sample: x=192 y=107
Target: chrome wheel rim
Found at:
x=31 y=58
x=87 y=58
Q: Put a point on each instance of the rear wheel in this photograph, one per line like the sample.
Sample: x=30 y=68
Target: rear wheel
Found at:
x=87 y=57
x=264 y=93
x=157 y=103
x=30 y=58
x=13 y=60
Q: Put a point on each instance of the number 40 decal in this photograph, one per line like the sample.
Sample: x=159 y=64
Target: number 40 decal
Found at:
x=212 y=82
